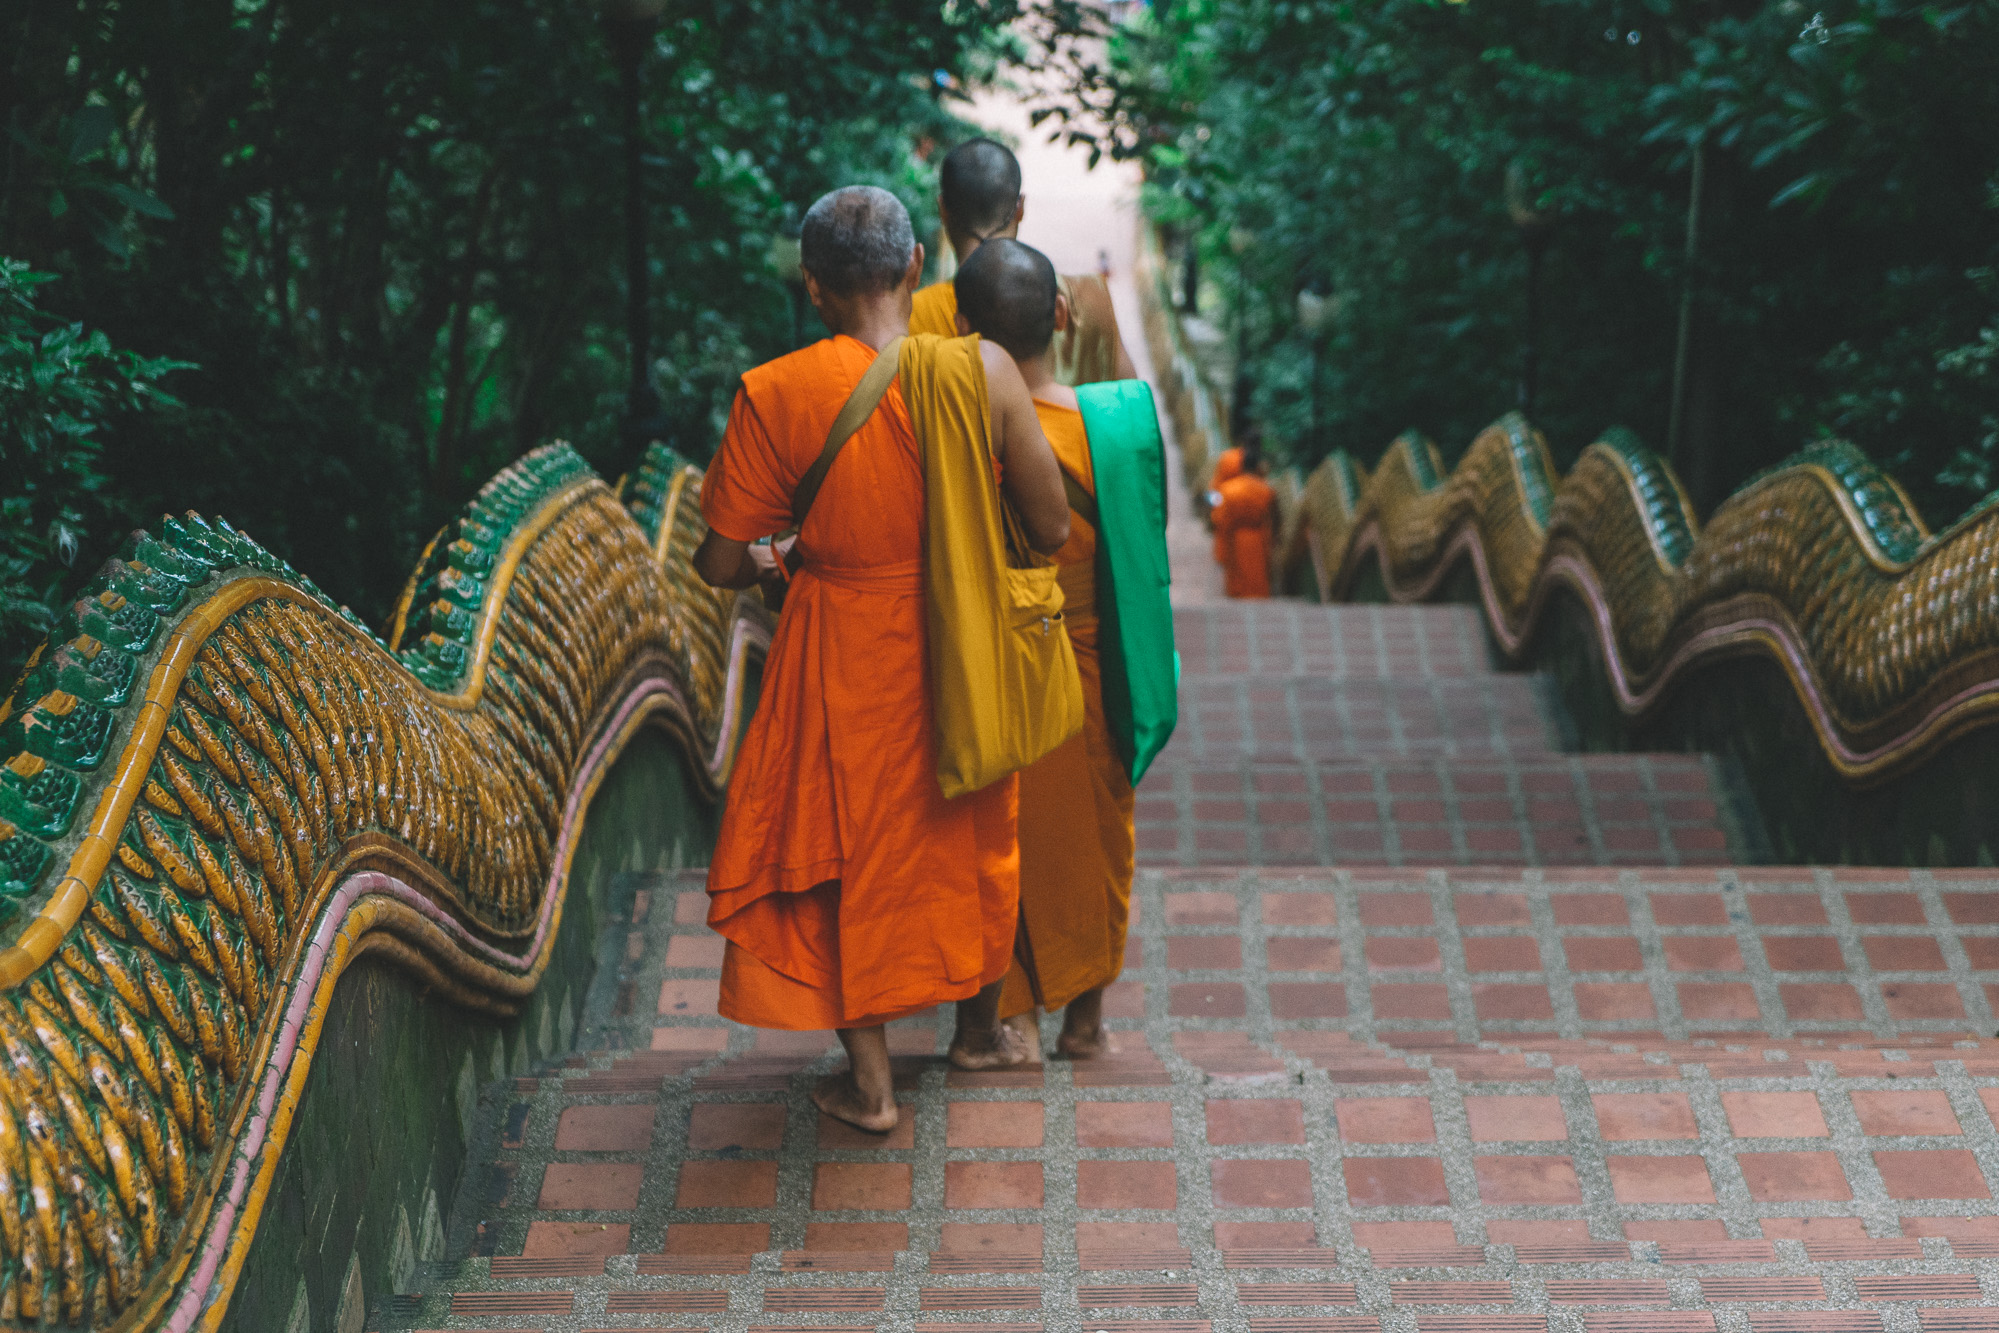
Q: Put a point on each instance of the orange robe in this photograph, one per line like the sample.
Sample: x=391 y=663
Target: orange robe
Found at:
x=1228 y=466
x=1245 y=532
x=934 y=309
x=1076 y=841
x=1083 y=353
x=850 y=892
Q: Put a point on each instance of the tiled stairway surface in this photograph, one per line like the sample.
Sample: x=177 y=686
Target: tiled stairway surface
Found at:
x=1571 y=1101
x=1358 y=735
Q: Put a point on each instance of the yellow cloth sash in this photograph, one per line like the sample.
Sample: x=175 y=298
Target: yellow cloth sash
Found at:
x=1002 y=673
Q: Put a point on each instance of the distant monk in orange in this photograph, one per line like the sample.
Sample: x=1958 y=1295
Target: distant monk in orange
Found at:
x=849 y=890
x=979 y=195
x=1246 y=528
x=1076 y=842
x=1228 y=466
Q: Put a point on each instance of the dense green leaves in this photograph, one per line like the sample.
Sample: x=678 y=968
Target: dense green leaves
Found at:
x=59 y=386
x=390 y=235
x=1400 y=158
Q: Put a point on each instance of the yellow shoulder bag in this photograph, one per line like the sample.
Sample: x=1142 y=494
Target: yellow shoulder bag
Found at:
x=1003 y=680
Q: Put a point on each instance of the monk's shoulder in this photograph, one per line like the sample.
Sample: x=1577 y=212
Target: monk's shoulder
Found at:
x=807 y=368
x=1067 y=435
x=948 y=353
x=796 y=396
x=934 y=310
x=1247 y=487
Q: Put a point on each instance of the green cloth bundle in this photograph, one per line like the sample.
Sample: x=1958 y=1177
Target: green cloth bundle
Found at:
x=1141 y=669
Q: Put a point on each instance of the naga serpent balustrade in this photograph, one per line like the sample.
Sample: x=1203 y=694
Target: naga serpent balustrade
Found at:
x=218 y=791
x=1888 y=633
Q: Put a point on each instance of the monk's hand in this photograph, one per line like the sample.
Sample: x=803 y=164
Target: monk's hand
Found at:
x=771 y=576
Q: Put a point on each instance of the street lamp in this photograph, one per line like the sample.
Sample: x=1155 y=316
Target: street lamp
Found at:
x=1315 y=316
x=1534 y=226
x=630 y=25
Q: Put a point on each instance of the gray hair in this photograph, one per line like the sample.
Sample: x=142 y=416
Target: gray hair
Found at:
x=857 y=241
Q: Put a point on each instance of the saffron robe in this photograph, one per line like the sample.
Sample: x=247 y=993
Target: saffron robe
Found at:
x=1228 y=466
x=1083 y=353
x=849 y=890
x=1245 y=532
x=1076 y=840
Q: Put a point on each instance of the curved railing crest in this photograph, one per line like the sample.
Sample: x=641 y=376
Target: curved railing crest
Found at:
x=1821 y=563
x=218 y=790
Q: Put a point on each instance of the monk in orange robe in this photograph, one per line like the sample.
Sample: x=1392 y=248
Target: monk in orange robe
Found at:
x=1076 y=839
x=1246 y=528
x=980 y=199
x=849 y=891
x=1228 y=466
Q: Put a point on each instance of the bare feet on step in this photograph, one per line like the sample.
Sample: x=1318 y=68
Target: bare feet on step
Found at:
x=840 y=1097
x=862 y=1094
x=1083 y=1036
x=982 y=1041
x=997 y=1047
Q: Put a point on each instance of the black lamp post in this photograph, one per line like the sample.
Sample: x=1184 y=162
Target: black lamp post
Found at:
x=1315 y=315
x=1535 y=226
x=630 y=25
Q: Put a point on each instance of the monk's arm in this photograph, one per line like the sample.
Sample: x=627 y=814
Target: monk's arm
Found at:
x=1104 y=315
x=1029 y=473
x=723 y=562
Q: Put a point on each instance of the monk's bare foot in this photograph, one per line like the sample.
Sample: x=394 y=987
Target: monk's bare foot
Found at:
x=840 y=1097
x=1027 y=1027
x=997 y=1047
x=1083 y=1035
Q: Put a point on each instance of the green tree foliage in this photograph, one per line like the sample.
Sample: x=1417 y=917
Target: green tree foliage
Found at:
x=390 y=235
x=1395 y=160
x=59 y=386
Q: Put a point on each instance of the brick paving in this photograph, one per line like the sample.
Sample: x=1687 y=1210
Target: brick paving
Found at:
x=1565 y=1100
x=1358 y=735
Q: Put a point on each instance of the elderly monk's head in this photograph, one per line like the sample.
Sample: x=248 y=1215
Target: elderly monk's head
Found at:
x=979 y=194
x=860 y=257
x=1007 y=294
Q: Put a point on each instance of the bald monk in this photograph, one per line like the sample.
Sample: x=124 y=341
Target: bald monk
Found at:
x=1246 y=528
x=1076 y=842
x=979 y=197
x=849 y=890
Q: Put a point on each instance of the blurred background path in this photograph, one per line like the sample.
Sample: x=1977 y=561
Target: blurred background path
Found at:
x=1079 y=217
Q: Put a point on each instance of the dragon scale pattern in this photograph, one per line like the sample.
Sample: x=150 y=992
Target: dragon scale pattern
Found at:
x=219 y=790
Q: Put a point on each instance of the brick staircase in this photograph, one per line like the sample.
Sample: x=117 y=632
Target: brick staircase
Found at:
x=1574 y=1101
x=1377 y=1067
x=1381 y=735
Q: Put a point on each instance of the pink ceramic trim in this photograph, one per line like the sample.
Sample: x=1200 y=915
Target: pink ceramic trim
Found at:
x=745 y=633
x=1580 y=577
x=199 y=1290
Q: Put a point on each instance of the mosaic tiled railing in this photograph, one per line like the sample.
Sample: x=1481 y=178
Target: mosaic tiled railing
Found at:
x=1888 y=633
x=218 y=791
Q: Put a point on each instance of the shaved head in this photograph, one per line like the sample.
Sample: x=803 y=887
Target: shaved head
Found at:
x=980 y=184
x=1006 y=292
x=857 y=241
